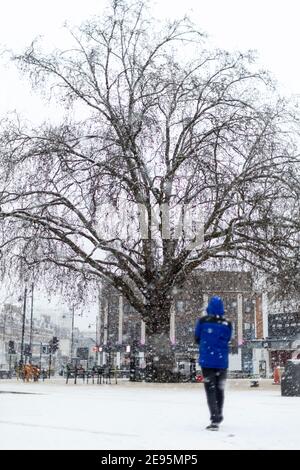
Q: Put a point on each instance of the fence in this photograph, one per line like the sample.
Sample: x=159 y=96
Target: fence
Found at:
x=100 y=374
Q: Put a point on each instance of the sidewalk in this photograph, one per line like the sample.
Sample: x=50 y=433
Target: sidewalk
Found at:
x=131 y=415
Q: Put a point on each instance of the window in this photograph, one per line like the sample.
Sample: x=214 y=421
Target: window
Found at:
x=180 y=305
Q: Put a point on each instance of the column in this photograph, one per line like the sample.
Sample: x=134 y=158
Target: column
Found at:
x=99 y=317
x=205 y=302
x=240 y=319
x=142 y=363
x=121 y=314
x=105 y=326
x=118 y=361
x=172 y=324
x=259 y=333
x=264 y=307
x=143 y=332
x=103 y=358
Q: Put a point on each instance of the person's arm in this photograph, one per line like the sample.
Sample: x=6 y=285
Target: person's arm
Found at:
x=198 y=331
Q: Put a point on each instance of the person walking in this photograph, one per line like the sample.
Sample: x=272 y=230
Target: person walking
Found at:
x=213 y=333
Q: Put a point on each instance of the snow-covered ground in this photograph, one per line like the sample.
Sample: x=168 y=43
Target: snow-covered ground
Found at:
x=53 y=415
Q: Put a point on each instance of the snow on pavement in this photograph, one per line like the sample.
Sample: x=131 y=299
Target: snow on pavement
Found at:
x=53 y=415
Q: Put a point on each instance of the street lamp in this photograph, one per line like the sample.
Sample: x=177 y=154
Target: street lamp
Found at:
x=31 y=322
x=72 y=333
x=41 y=351
x=23 y=325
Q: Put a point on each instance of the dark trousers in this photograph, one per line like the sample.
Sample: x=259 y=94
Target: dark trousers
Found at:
x=214 y=383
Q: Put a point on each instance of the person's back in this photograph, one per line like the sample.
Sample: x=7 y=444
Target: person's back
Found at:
x=213 y=333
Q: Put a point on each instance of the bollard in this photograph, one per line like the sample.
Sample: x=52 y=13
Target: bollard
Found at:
x=276 y=376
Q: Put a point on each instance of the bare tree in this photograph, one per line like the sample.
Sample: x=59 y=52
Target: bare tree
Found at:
x=166 y=124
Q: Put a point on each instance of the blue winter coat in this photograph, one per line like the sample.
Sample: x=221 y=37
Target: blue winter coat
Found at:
x=213 y=333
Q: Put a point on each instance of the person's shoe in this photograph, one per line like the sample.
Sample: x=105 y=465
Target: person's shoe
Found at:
x=213 y=427
x=219 y=420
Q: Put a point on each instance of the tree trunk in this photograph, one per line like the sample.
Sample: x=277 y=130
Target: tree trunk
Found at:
x=160 y=356
x=160 y=359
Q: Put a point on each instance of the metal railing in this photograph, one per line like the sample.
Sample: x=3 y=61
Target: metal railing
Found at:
x=98 y=374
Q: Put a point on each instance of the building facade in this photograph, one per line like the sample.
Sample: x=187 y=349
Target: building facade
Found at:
x=122 y=332
x=14 y=328
x=283 y=337
x=37 y=335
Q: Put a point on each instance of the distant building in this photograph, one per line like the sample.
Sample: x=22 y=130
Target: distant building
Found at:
x=11 y=325
x=42 y=330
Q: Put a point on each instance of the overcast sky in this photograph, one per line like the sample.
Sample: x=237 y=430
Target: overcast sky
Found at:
x=269 y=26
